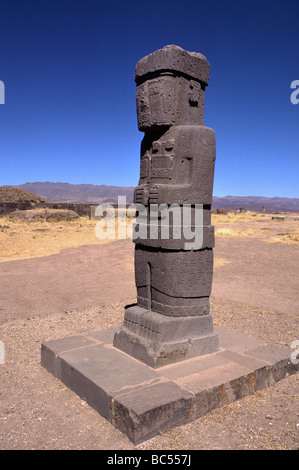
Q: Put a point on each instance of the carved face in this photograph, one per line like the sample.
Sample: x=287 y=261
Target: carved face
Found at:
x=169 y=100
x=156 y=101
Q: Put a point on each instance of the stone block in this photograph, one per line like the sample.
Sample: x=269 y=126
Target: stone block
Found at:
x=161 y=405
x=141 y=401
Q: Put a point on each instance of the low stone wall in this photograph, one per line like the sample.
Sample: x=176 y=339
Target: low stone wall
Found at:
x=83 y=210
x=115 y=206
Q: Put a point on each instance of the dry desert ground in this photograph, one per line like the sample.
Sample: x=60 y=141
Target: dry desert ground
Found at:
x=58 y=279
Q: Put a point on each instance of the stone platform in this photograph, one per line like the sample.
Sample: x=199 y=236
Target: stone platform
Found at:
x=141 y=401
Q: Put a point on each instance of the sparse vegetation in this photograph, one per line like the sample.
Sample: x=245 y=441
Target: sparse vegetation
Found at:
x=22 y=237
x=292 y=237
x=55 y=215
x=227 y=232
x=220 y=262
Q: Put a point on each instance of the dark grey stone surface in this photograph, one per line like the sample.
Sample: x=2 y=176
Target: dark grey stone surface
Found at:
x=174 y=59
x=157 y=339
x=173 y=272
x=141 y=401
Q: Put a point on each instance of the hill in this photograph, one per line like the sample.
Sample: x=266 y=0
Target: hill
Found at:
x=93 y=194
x=79 y=193
x=17 y=194
x=256 y=203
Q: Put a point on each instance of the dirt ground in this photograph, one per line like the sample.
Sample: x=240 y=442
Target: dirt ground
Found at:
x=84 y=288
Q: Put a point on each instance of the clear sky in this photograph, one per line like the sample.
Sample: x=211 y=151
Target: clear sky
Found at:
x=68 y=70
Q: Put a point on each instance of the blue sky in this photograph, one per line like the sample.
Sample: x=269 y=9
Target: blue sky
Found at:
x=70 y=113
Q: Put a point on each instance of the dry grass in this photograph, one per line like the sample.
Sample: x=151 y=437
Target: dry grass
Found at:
x=44 y=214
x=220 y=262
x=235 y=224
x=227 y=232
x=21 y=239
x=288 y=238
x=255 y=224
x=236 y=217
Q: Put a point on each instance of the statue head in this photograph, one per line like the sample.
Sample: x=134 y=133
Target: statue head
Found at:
x=170 y=88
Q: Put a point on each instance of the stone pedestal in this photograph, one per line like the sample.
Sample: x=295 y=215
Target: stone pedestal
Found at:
x=141 y=401
x=157 y=339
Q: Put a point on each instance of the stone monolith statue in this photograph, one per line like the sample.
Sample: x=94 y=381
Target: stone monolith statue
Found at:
x=171 y=321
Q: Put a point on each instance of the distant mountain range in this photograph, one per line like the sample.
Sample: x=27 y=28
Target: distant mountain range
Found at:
x=79 y=193
x=256 y=203
x=92 y=194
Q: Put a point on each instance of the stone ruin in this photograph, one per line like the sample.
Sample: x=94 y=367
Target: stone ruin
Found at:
x=171 y=321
